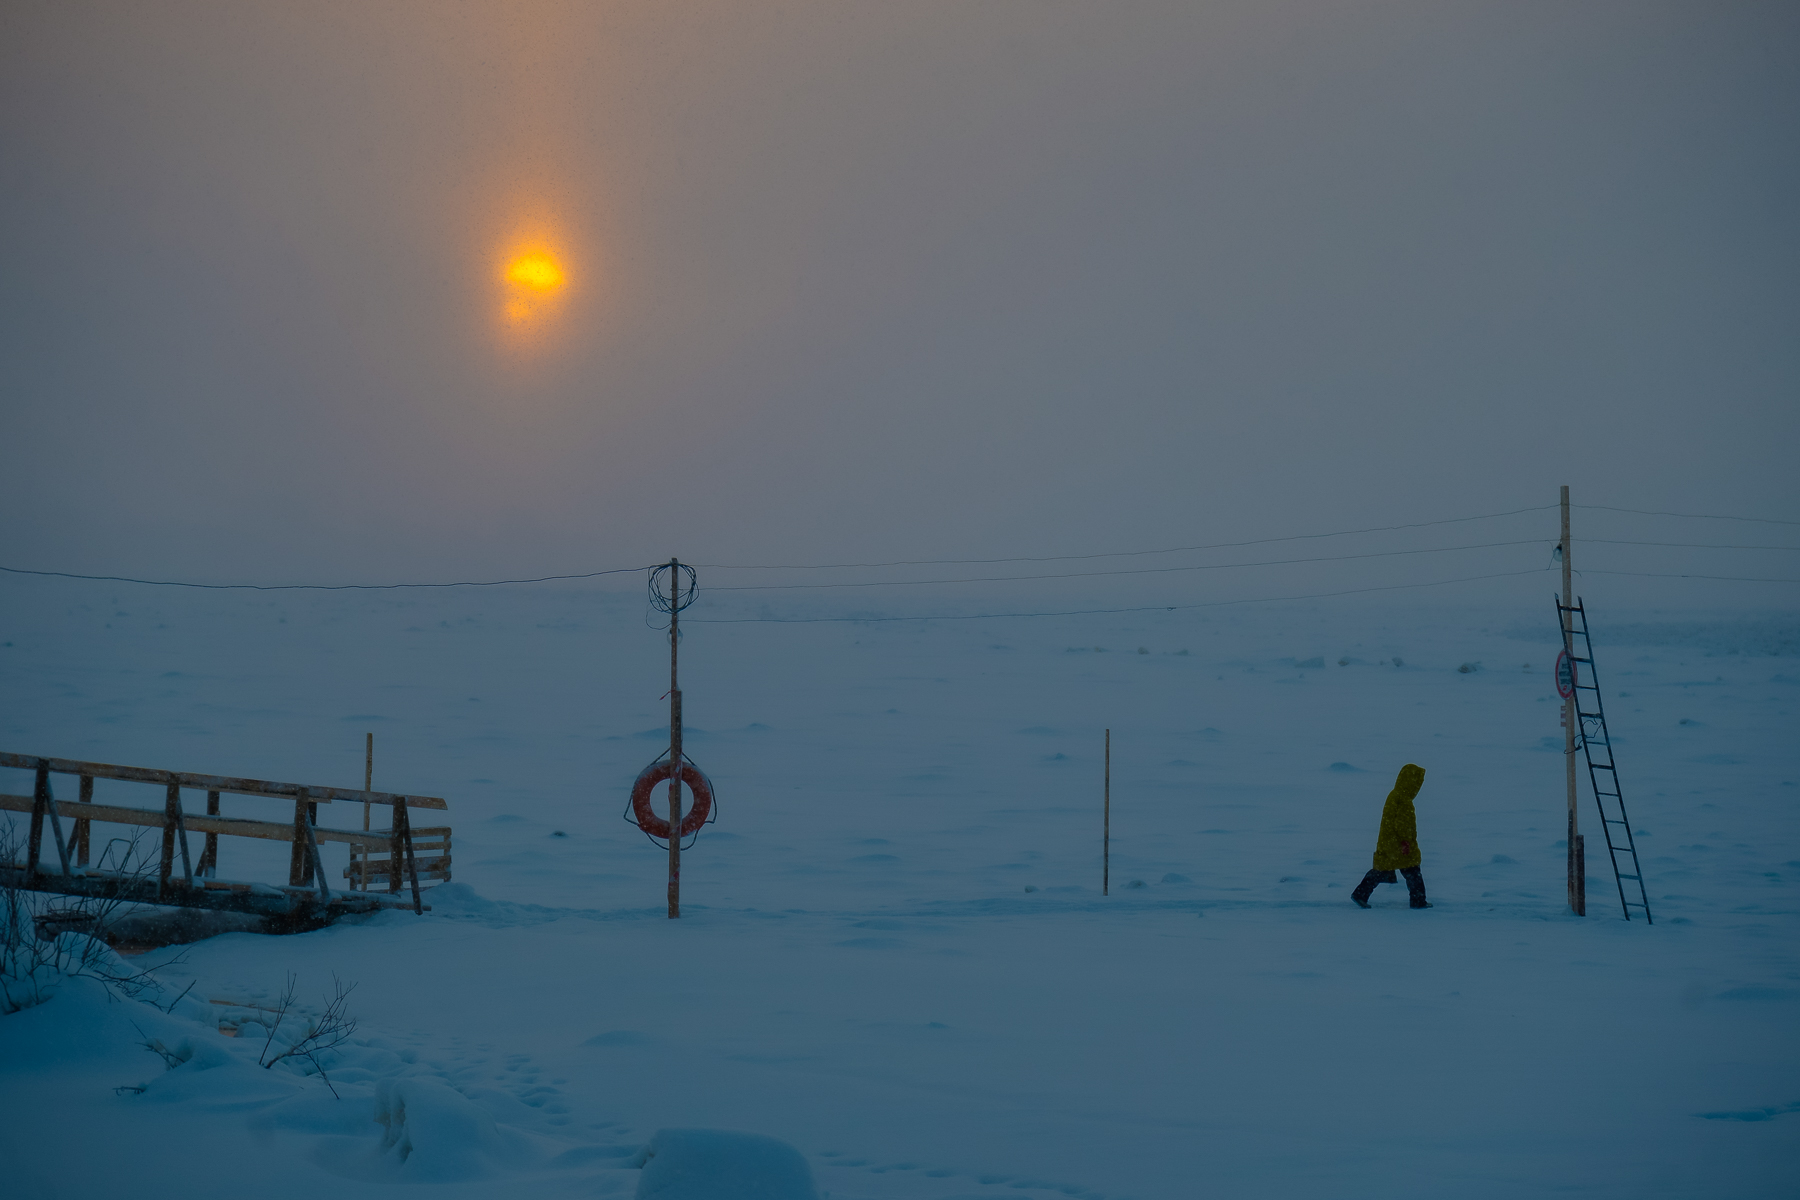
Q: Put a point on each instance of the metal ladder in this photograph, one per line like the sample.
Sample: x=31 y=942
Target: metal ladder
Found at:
x=1603 y=772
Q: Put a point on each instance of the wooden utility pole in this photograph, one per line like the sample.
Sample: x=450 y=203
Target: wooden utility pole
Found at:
x=1106 y=821
x=1577 y=866
x=674 y=740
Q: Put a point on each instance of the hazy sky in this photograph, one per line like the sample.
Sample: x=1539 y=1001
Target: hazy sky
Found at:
x=877 y=280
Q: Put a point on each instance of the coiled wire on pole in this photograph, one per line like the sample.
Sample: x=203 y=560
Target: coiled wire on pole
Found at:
x=663 y=598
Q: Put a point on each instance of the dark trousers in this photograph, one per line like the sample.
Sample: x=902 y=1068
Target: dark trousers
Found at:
x=1415 y=885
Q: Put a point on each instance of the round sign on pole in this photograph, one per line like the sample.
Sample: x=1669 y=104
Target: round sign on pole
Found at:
x=1565 y=675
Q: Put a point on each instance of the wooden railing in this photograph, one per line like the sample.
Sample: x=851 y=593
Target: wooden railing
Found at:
x=401 y=841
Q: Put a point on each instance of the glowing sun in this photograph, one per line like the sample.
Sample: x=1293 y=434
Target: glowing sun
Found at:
x=538 y=271
x=533 y=282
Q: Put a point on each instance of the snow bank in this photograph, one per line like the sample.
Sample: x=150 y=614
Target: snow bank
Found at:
x=433 y=1133
x=718 y=1164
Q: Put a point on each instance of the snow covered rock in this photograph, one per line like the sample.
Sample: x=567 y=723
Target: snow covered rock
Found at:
x=718 y=1164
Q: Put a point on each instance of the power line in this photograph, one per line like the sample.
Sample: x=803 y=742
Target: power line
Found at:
x=1083 y=612
x=344 y=587
x=1282 y=562
x=1645 y=512
x=1685 y=545
x=964 y=562
x=319 y=587
x=374 y=587
x=1669 y=575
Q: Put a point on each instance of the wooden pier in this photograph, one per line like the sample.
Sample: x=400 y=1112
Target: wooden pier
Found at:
x=305 y=900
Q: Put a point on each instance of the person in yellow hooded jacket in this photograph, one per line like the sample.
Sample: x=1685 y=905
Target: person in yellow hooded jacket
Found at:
x=1397 y=845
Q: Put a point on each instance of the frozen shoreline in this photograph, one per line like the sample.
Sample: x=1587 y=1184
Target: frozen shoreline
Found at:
x=862 y=971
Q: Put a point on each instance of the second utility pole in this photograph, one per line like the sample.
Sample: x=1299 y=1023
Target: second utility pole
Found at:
x=675 y=741
x=1571 y=715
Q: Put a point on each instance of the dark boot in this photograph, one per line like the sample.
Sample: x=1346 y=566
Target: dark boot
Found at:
x=1366 y=888
x=1415 y=887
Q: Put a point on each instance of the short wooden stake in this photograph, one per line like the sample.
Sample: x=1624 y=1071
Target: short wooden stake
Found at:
x=1106 y=822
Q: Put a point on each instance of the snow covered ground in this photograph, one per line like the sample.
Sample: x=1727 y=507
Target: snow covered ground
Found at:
x=894 y=954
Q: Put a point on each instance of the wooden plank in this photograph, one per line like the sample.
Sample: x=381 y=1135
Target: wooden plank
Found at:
x=441 y=842
x=269 y=901
x=381 y=866
x=433 y=867
x=215 y=783
x=277 y=831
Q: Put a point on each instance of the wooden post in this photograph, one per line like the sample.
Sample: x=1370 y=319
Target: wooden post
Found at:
x=1571 y=718
x=209 y=853
x=44 y=803
x=403 y=823
x=1106 y=822
x=180 y=826
x=674 y=740
x=312 y=846
x=81 y=824
x=171 y=803
x=1581 y=875
x=396 y=851
x=299 y=861
x=34 y=840
x=368 y=786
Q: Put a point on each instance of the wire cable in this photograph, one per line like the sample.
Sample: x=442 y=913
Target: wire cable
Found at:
x=1645 y=512
x=1281 y=562
x=1670 y=575
x=1684 y=545
x=1083 y=612
x=962 y=562
x=320 y=587
x=377 y=587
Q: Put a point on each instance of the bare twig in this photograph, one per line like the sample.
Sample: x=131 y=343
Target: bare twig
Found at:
x=178 y=999
x=279 y=1012
x=327 y=1031
x=156 y=1047
x=44 y=937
